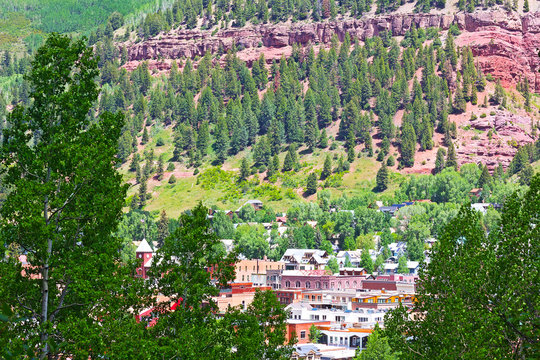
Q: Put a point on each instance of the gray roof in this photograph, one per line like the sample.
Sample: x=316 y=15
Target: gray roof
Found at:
x=303 y=350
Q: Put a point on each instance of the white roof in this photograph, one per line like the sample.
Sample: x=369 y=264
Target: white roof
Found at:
x=144 y=247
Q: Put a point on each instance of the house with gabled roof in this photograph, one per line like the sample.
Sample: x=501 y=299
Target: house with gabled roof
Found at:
x=305 y=259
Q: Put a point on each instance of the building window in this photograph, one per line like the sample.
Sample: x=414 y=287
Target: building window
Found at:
x=324 y=317
x=302 y=334
x=308 y=285
x=242 y=277
x=287 y=283
x=362 y=319
x=354 y=284
x=298 y=284
x=318 y=285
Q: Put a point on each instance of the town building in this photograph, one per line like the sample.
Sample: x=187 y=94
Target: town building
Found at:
x=256 y=271
x=144 y=253
x=305 y=259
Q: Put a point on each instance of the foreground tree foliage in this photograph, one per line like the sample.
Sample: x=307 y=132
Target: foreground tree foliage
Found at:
x=480 y=295
x=65 y=200
x=181 y=277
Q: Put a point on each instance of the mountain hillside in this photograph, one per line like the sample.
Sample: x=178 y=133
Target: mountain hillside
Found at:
x=279 y=101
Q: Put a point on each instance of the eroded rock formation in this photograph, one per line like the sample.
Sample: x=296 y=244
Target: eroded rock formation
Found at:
x=499 y=138
x=504 y=43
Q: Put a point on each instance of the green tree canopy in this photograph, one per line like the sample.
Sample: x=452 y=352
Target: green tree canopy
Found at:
x=64 y=203
x=471 y=304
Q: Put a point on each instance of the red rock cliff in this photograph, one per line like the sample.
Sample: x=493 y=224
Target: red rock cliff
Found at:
x=505 y=43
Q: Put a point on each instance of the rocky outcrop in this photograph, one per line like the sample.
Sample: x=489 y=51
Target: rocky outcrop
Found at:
x=507 y=132
x=505 y=43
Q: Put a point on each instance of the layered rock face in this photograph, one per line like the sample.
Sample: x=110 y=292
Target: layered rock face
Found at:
x=505 y=43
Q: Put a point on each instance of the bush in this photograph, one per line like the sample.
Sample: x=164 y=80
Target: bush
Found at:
x=333 y=146
x=483 y=115
x=473 y=116
x=170 y=167
x=391 y=161
x=196 y=171
x=172 y=179
x=160 y=141
x=492 y=113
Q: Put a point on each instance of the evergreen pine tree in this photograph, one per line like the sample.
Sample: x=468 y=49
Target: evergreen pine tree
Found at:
x=451 y=161
x=474 y=95
x=273 y=166
x=439 y=161
x=485 y=177
x=408 y=144
x=327 y=168
x=144 y=138
x=350 y=154
x=160 y=169
x=244 y=170
x=288 y=163
x=325 y=110
x=460 y=104
x=162 y=228
x=499 y=172
x=311 y=186
x=323 y=139
x=134 y=202
x=526 y=6
x=274 y=137
x=311 y=132
x=221 y=144
x=134 y=162
x=382 y=177
x=261 y=151
x=142 y=193
x=203 y=138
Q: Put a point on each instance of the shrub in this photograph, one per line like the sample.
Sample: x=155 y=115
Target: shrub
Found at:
x=160 y=141
x=172 y=179
x=473 y=116
x=170 y=167
x=483 y=115
x=333 y=146
x=196 y=171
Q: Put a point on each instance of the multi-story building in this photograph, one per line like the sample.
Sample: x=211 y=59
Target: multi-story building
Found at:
x=362 y=318
x=321 y=279
x=305 y=259
x=257 y=271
